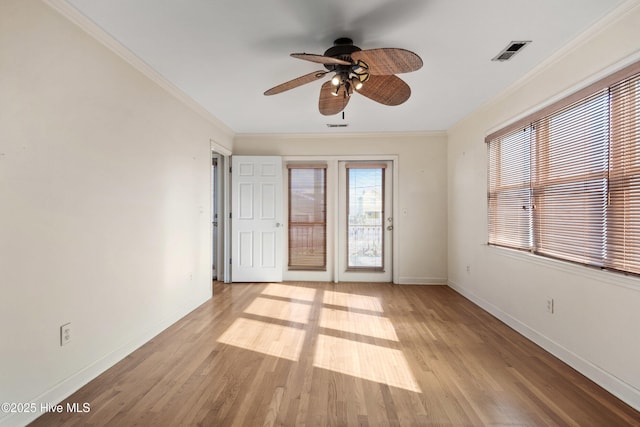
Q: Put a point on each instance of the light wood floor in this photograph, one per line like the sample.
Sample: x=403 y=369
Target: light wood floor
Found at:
x=322 y=354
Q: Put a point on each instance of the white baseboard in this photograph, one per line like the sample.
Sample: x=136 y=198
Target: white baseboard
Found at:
x=70 y=385
x=422 y=281
x=609 y=382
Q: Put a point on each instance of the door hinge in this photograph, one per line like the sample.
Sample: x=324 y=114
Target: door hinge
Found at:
x=229 y=215
x=230 y=261
x=229 y=169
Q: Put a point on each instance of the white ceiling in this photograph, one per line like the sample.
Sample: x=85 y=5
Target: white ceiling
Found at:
x=225 y=54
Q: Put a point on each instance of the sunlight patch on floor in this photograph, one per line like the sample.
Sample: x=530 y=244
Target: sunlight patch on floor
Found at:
x=369 y=362
x=267 y=338
x=283 y=310
x=358 y=323
x=362 y=302
x=287 y=291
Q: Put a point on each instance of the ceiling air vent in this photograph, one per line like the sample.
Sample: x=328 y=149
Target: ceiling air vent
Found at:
x=337 y=125
x=511 y=49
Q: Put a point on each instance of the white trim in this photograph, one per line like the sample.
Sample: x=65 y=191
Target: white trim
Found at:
x=73 y=383
x=397 y=225
x=614 y=385
x=617 y=66
x=220 y=263
x=354 y=135
x=226 y=208
x=601 y=25
x=607 y=21
x=607 y=277
x=91 y=28
x=427 y=281
x=220 y=149
x=336 y=158
x=333 y=232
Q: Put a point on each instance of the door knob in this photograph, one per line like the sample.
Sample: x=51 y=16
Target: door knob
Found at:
x=390 y=227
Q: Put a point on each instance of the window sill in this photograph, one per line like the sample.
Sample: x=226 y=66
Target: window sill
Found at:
x=593 y=273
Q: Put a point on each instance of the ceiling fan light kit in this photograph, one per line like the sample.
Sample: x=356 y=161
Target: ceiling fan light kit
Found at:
x=369 y=72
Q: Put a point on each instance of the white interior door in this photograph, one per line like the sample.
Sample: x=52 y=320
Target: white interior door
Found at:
x=365 y=221
x=256 y=219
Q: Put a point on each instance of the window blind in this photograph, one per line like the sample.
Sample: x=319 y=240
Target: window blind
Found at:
x=623 y=216
x=510 y=190
x=307 y=217
x=566 y=183
x=570 y=180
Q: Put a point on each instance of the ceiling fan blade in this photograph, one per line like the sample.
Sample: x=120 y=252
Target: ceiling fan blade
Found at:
x=302 y=80
x=320 y=59
x=387 y=61
x=329 y=104
x=387 y=90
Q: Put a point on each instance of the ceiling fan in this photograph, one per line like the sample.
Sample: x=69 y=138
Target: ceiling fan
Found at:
x=371 y=73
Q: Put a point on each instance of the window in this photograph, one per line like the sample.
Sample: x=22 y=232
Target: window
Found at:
x=565 y=182
x=510 y=190
x=623 y=214
x=570 y=181
x=307 y=217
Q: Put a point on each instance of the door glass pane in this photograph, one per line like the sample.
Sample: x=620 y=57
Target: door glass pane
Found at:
x=365 y=218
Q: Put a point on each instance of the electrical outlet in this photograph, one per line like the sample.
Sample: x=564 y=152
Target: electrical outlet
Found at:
x=550 y=305
x=65 y=334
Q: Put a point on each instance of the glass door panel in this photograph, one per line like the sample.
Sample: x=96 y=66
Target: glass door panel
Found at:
x=365 y=218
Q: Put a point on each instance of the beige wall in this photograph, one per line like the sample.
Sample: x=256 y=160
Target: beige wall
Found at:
x=420 y=226
x=105 y=211
x=104 y=194
x=595 y=325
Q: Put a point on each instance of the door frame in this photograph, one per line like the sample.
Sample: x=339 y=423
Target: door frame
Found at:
x=217 y=207
x=224 y=200
x=355 y=274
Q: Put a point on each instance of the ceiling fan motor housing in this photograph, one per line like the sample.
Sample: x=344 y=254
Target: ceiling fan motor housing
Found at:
x=342 y=49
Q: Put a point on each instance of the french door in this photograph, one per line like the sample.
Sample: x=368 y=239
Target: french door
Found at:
x=365 y=223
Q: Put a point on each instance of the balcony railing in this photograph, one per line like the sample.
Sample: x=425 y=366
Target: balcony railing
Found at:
x=365 y=246
x=307 y=245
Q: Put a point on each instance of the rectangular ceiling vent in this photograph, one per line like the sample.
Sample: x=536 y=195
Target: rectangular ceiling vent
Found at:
x=337 y=125
x=511 y=49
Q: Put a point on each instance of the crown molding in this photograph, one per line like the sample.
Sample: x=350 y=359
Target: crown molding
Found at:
x=93 y=30
x=587 y=35
x=343 y=135
x=583 y=38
